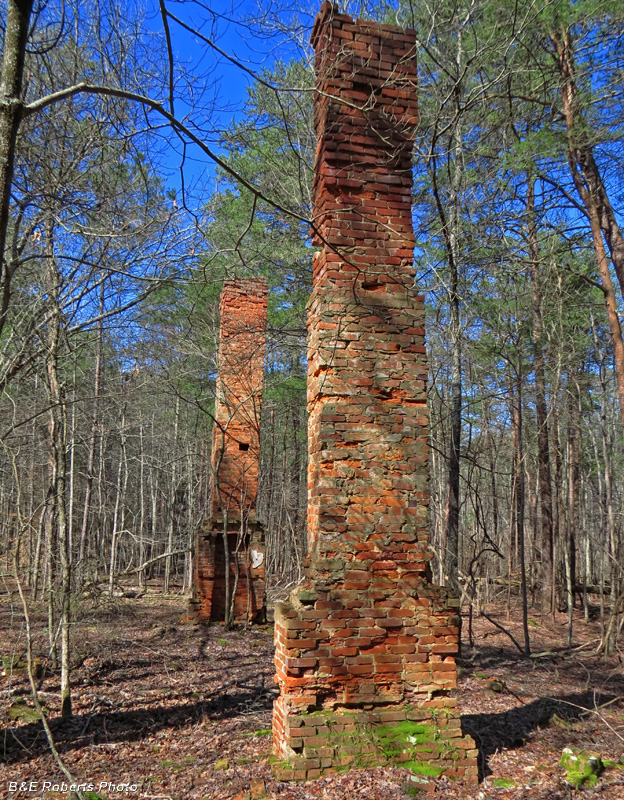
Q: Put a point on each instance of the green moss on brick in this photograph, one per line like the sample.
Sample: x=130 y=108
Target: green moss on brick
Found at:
x=406 y=743
x=582 y=767
x=404 y=734
x=422 y=768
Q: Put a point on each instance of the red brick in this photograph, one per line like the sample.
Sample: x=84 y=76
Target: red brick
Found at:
x=368 y=449
x=243 y=312
x=360 y=669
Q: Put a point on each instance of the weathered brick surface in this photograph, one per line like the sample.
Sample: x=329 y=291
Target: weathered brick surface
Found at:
x=367 y=630
x=235 y=434
x=208 y=601
x=235 y=460
x=326 y=741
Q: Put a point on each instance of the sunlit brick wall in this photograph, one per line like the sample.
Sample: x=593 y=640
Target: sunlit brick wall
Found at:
x=367 y=641
x=236 y=431
x=235 y=460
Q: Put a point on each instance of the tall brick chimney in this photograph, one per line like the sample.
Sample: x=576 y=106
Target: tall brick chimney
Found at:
x=235 y=461
x=236 y=432
x=364 y=648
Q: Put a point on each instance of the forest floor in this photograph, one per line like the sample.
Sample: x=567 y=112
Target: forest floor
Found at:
x=184 y=712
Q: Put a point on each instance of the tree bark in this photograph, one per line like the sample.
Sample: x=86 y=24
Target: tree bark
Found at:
x=456 y=334
x=11 y=106
x=612 y=539
x=173 y=494
x=84 y=528
x=141 y=573
x=573 y=517
x=585 y=171
x=120 y=499
x=592 y=192
x=543 y=451
x=58 y=449
x=519 y=496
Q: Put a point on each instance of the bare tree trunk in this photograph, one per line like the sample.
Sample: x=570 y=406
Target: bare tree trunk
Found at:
x=50 y=565
x=173 y=491
x=154 y=514
x=71 y=444
x=101 y=515
x=543 y=452
x=449 y=213
x=84 y=528
x=187 y=584
x=452 y=511
x=573 y=518
x=593 y=194
x=58 y=448
x=452 y=508
x=585 y=172
x=519 y=495
x=226 y=558
x=611 y=544
x=240 y=542
x=36 y=562
x=13 y=57
x=33 y=546
x=118 y=514
x=560 y=519
x=141 y=572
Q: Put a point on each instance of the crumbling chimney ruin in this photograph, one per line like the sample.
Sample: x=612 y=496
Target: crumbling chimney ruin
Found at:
x=235 y=462
x=365 y=646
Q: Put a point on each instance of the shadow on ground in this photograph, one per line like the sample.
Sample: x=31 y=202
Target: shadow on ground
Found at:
x=27 y=742
x=510 y=729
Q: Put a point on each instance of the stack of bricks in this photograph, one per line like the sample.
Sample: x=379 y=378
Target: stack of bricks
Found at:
x=235 y=461
x=365 y=647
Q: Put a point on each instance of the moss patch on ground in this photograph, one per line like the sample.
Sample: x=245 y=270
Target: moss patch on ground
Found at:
x=582 y=767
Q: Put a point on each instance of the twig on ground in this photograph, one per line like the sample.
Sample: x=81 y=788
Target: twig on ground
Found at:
x=596 y=710
x=503 y=630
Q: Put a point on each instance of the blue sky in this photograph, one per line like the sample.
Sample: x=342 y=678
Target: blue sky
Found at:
x=221 y=85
